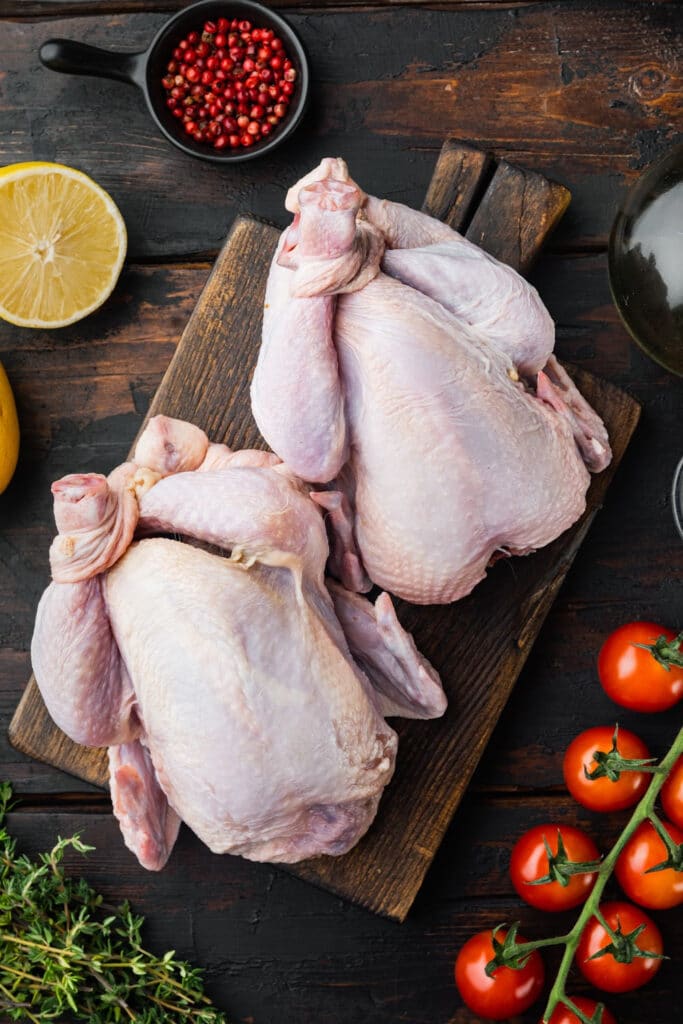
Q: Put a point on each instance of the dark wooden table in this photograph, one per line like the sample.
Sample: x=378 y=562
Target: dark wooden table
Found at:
x=586 y=93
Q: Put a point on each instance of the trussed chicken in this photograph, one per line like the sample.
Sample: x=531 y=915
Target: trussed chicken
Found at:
x=415 y=372
x=225 y=688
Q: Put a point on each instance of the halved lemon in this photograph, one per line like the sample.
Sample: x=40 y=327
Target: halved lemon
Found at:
x=62 y=245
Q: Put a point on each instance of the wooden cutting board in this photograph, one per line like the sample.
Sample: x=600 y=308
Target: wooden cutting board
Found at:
x=480 y=644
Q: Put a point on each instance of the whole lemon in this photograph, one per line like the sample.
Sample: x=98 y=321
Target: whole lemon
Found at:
x=9 y=431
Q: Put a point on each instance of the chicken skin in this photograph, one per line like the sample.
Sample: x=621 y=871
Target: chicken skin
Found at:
x=414 y=374
x=238 y=694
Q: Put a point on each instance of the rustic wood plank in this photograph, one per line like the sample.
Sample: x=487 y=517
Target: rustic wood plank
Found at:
x=528 y=87
x=207 y=382
x=40 y=741
x=211 y=381
x=276 y=950
x=456 y=184
x=61 y=8
x=517 y=213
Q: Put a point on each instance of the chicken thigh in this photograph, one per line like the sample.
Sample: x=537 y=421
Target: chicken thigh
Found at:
x=225 y=688
x=404 y=364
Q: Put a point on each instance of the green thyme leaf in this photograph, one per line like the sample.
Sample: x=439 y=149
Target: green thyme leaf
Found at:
x=63 y=955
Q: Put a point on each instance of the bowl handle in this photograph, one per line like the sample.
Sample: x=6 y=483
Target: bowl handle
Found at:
x=75 y=58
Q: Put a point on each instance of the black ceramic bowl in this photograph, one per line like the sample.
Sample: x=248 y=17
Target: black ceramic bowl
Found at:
x=145 y=70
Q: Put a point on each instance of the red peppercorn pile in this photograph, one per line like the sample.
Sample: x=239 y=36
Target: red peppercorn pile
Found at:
x=231 y=85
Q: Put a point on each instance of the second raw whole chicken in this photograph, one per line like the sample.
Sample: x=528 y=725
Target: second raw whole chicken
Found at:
x=416 y=373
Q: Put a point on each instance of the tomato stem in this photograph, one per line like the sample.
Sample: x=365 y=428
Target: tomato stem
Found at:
x=674 y=851
x=623 y=947
x=518 y=954
x=595 y=1019
x=666 y=652
x=610 y=763
x=597 y=914
x=560 y=867
x=643 y=811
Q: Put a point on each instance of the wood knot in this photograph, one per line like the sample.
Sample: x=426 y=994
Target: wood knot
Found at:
x=648 y=82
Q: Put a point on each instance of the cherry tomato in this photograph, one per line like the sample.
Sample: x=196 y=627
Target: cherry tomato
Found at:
x=632 y=676
x=529 y=861
x=508 y=992
x=562 y=1015
x=602 y=794
x=606 y=973
x=659 y=890
x=672 y=794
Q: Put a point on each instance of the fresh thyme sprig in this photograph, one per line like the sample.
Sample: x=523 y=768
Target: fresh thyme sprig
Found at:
x=63 y=955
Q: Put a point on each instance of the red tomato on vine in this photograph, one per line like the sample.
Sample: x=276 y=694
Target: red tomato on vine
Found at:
x=672 y=794
x=594 y=771
x=530 y=863
x=658 y=890
x=508 y=991
x=563 y=1015
x=640 y=666
x=636 y=940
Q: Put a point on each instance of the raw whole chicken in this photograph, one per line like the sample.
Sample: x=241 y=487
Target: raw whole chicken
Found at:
x=416 y=372
x=238 y=694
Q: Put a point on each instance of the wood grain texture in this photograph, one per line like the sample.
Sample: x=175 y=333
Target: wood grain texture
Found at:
x=56 y=8
x=280 y=952
x=207 y=382
x=526 y=84
x=457 y=183
x=521 y=208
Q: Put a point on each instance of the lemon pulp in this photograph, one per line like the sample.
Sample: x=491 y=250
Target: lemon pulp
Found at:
x=62 y=245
